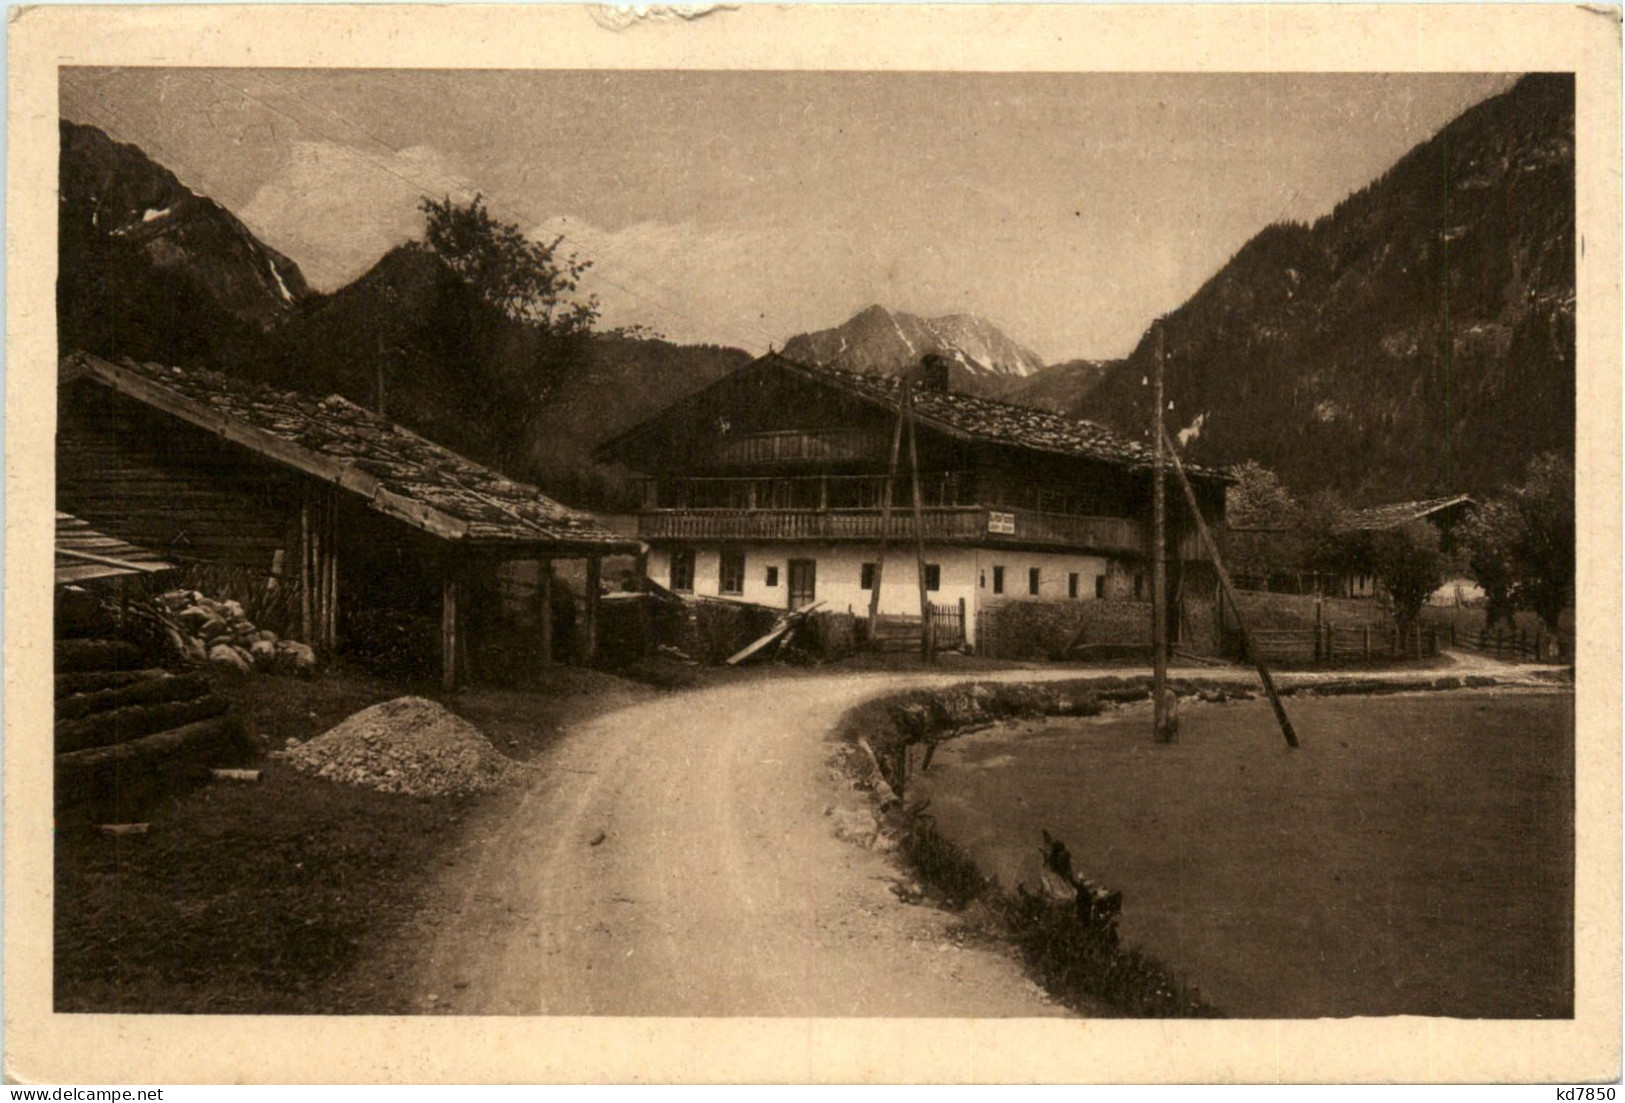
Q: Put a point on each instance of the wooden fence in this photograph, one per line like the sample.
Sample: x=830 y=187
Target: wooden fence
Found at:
x=1330 y=645
x=1507 y=643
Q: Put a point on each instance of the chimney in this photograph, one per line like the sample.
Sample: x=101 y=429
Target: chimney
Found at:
x=934 y=373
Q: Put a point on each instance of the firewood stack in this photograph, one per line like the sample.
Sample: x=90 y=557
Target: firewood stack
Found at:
x=127 y=729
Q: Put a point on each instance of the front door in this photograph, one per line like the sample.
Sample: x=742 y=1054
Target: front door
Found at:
x=803 y=582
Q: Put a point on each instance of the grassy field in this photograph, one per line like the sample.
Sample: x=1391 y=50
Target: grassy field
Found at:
x=1414 y=856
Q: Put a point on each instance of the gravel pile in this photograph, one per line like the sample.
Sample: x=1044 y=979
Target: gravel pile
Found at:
x=408 y=745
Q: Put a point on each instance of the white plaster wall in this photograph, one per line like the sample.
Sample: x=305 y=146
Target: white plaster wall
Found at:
x=839 y=574
x=966 y=573
x=1053 y=569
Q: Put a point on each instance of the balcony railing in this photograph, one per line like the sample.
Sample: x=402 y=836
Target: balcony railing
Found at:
x=943 y=524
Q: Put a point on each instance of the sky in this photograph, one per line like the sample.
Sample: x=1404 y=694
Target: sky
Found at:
x=742 y=208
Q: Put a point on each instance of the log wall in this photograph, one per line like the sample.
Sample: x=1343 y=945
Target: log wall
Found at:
x=168 y=486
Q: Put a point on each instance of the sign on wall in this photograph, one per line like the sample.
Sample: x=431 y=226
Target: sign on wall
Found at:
x=1003 y=523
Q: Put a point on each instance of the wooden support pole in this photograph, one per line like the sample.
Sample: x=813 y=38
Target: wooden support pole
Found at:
x=448 y=628
x=885 y=519
x=927 y=649
x=589 y=622
x=544 y=596
x=1161 y=731
x=304 y=569
x=1230 y=594
x=318 y=576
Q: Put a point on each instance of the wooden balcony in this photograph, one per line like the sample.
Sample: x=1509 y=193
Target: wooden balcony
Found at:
x=943 y=524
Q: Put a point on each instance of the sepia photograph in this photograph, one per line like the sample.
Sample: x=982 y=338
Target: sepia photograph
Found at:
x=833 y=543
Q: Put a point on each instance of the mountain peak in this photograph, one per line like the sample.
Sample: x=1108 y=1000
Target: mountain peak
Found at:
x=878 y=341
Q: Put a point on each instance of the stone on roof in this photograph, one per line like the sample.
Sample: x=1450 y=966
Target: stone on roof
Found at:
x=400 y=473
x=996 y=422
x=1394 y=514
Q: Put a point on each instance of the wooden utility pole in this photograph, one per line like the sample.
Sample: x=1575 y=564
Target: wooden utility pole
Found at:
x=1230 y=594
x=926 y=649
x=1161 y=731
x=885 y=518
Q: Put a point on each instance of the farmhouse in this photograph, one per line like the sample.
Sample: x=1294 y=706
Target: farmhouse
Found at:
x=338 y=513
x=1442 y=513
x=1273 y=553
x=769 y=487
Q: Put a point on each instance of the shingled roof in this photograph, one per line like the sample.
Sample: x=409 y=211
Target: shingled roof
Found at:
x=970 y=417
x=84 y=555
x=1394 y=514
x=398 y=472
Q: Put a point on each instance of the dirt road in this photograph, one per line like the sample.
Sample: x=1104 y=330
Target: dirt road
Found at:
x=679 y=858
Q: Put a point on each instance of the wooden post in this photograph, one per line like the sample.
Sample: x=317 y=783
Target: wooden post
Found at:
x=318 y=574
x=589 y=622
x=333 y=572
x=448 y=627
x=1365 y=648
x=885 y=518
x=926 y=648
x=646 y=631
x=1230 y=594
x=1160 y=730
x=964 y=626
x=1331 y=644
x=1320 y=626
x=304 y=569
x=544 y=594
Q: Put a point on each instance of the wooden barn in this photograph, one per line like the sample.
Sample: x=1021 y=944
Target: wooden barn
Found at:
x=769 y=486
x=353 y=518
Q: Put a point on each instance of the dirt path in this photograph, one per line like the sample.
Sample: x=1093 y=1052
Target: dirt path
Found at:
x=677 y=859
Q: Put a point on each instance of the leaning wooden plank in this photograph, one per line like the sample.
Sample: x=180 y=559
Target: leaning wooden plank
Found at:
x=103 y=729
x=780 y=628
x=89 y=682
x=79 y=655
x=182 y=687
x=216 y=733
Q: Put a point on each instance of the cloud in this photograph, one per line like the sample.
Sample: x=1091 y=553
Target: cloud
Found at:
x=691 y=283
x=338 y=209
x=744 y=285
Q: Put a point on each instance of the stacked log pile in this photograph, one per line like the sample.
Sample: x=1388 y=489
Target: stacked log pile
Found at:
x=125 y=728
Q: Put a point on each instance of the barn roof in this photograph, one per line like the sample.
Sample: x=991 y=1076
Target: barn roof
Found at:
x=1394 y=514
x=970 y=417
x=83 y=554
x=399 y=473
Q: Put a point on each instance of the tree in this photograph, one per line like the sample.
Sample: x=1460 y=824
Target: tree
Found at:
x=1490 y=536
x=1544 y=553
x=523 y=326
x=1259 y=515
x=1328 y=547
x=1409 y=563
x=528 y=281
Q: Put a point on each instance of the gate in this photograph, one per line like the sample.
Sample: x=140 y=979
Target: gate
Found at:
x=948 y=625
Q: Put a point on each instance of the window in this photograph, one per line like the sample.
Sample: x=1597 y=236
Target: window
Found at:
x=1032 y=580
x=1072 y=585
x=1100 y=585
x=998 y=580
x=772 y=577
x=732 y=574
x=1139 y=585
x=867 y=577
x=682 y=569
x=933 y=576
